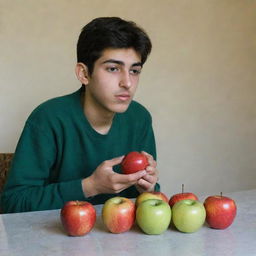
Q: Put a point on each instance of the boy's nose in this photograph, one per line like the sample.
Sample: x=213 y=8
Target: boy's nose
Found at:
x=125 y=80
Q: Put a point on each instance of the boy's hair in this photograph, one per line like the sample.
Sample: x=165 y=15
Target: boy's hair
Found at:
x=110 y=32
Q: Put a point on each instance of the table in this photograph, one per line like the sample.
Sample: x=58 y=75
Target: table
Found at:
x=41 y=233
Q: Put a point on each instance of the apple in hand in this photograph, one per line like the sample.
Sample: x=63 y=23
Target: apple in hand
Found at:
x=78 y=217
x=118 y=214
x=188 y=215
x=134 y=162
x=150 y=195
x=153 y=216
x=181 y=196
x=220 y=211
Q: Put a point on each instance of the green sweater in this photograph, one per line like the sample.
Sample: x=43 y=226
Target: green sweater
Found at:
x=58 y=148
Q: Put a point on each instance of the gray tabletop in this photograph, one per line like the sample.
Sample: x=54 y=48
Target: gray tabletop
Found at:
x=41 y=233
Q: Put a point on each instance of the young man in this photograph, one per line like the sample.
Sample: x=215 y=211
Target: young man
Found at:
x=72 y=146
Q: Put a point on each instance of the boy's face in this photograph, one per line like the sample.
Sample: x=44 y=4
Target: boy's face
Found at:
x=114 y=80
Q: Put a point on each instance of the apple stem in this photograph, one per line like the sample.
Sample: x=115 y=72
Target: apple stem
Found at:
x=221 y=194
x=182 y=188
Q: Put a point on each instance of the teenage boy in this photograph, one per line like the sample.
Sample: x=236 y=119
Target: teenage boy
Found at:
x=72 y=146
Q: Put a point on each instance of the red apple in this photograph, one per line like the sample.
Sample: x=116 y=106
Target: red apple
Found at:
x=182 y=196
x=118 y=214
x=220 y=211
x=151 y=195
x=78 y=217
x=134 y=162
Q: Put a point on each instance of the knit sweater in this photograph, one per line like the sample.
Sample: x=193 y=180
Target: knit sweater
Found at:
x=58 y=148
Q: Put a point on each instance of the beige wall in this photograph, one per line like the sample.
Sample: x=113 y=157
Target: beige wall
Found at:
x=199 y=82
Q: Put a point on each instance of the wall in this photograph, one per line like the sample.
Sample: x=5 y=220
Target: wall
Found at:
x=199 y=82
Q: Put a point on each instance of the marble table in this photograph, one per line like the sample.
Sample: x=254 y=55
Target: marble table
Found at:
x=41 y=233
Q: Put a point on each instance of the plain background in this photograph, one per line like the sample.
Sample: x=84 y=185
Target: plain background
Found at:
x=199 y=82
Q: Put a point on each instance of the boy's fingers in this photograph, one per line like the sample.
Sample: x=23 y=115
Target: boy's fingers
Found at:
x=147 y=154
x=144 y=184
x=151 y=170
x=114 y=161
x=150 y=158
x=130 y=178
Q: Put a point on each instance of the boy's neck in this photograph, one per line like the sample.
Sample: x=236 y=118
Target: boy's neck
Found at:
x=99 y=119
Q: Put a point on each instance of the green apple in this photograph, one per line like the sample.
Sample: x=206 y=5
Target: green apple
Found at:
x=188 y=215
x=153 y=216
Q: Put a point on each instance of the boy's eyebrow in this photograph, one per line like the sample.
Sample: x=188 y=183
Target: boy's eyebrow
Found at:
x=121 y=62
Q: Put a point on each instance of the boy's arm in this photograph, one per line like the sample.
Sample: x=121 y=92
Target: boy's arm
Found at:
x=28 y=186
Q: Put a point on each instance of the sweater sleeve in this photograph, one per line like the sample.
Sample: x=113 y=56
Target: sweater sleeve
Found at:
x=28 y=186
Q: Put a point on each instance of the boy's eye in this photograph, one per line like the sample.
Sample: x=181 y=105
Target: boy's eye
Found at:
x=135 y=71
x=112 y=69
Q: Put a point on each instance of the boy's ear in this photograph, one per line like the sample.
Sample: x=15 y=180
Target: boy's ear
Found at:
x=82 y=73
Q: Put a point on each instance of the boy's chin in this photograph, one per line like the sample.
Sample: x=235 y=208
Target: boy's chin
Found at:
x=121 y=108
x=120 y=111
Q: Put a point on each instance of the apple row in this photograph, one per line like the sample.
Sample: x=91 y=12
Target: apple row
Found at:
x=152 y=211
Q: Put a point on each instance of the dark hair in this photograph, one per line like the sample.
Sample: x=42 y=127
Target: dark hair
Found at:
x=110 y=32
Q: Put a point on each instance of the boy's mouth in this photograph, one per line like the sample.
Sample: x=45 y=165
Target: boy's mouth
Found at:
x=123 y=97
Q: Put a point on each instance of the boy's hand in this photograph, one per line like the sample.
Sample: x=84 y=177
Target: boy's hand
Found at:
x=105 y=180
x=148 y=181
